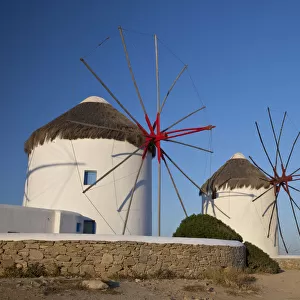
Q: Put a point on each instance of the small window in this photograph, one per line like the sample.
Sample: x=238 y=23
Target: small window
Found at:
x=89 y=227
x=90 y=177
x=78 y=227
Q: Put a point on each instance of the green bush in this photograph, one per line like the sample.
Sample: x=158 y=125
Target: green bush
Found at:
x=33 y=270
x=259 y=261
x=205 y=226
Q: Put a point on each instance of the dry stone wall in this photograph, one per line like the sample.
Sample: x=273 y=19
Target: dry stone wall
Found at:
x=289 y=263
x=124 y=258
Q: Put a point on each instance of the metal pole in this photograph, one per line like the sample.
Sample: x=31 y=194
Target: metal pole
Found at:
x=96 y=126
x=131 y=196
x=159 y=164
x=181 y=171
x=263 y=145
x=131 y=71
x=175 y=187
x=190 y=114
x=188 y=145
x=116 y=166
x=275 y=137
x=108 y=90
x=295 y=141
x=279 y=227
x=170 y=89
x=263 y=193
x=259 y=167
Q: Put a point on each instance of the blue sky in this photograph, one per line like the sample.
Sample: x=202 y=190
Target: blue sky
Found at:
x=243 y=57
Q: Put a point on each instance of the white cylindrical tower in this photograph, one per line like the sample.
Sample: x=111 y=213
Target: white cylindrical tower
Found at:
x=65 y=157
x=228 y=196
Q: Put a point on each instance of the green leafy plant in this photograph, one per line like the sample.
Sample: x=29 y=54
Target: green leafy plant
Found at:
x=205 y=226
x=33 y=270
x=259 y=261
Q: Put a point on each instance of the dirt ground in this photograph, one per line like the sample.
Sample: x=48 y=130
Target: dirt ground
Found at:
x=283 y=286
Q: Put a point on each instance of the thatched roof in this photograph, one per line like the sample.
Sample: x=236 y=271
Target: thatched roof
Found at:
x=237 y=172
x=94 y=111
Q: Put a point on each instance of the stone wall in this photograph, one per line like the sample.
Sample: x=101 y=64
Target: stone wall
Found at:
x=289 y=262
x=123 y=258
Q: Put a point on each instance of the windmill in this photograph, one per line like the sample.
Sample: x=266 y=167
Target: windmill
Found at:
x=281 y=179
x=153 y=134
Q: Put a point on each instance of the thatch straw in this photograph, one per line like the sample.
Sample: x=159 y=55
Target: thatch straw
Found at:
x=236 y=173
x=100 y=114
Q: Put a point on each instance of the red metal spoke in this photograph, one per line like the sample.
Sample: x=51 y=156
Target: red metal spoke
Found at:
x=189 y=131
x=149 y=124
x=155 y=136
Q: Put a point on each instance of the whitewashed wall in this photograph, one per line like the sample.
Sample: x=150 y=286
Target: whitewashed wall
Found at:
x=15 y=218
x=56 y=175
x=245 y=216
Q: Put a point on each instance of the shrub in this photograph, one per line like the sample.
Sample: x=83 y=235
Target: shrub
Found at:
x=205 y=226
x=231 y=278
x=259 y=261
x=13 y=272
x=33 y=270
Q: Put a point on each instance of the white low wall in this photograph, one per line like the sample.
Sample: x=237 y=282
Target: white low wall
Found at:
x=20 y=219
x=116 y=238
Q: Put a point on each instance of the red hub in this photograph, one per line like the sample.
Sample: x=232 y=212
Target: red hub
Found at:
x=155 y=135
x=281 y=181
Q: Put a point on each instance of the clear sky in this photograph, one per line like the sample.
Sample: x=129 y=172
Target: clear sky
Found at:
x=243 y=57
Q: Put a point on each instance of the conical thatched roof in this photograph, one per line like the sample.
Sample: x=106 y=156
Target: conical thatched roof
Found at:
x=237 y=172
x=94 y=111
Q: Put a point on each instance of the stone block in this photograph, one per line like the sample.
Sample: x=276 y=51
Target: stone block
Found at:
x=35 y=254
x=115 y=269
x=63 y=258
x=129 y=261
x=87 y=269
x=56 y=250
x=18 y=245
x=24 y=253
x=73 y=270
x=107 y=259
x=32 y=246
x=77 y=259
x=7 y=263
x=139 y=268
